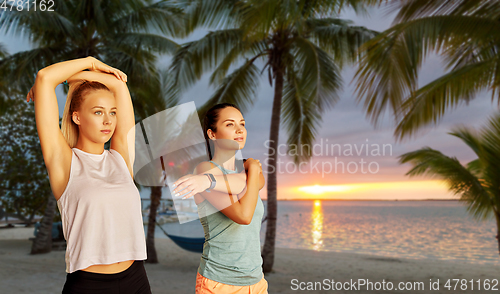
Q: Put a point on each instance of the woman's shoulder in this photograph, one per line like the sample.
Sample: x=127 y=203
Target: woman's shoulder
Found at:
x=117 y=156
x=203 y=167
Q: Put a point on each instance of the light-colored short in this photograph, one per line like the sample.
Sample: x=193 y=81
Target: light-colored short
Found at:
x=207 y=286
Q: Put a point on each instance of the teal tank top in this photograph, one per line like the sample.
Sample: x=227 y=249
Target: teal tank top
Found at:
x=231 y=252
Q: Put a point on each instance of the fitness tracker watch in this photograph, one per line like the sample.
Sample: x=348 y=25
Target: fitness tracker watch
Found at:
x=212 y=182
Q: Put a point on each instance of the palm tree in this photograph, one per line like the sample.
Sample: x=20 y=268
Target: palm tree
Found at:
x=303 y=45
x=464 y=32
x=160 y=89
x=117 y=32
x=43 y=240
x=477 y=182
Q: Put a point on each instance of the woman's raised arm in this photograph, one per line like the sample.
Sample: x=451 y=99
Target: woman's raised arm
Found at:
x=56 y=151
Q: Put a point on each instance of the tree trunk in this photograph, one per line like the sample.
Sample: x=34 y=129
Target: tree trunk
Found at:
x=18 y=213
x=30 y=220
x=18 y=216
x=272 y=205
x=43 y=240
x=497 y=215
x=150 y=240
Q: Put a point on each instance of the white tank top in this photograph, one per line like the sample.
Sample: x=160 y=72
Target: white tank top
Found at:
x=101 y=212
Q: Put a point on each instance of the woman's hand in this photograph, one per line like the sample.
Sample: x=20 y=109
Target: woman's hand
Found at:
x=97 y=65
x=31 y=95
x=251 y=163
x=192 y=184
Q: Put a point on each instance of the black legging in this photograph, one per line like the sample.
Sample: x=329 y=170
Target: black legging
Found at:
x=131 y=281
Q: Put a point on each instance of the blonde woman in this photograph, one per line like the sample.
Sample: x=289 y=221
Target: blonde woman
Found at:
x=231 y=212
x=99 y=203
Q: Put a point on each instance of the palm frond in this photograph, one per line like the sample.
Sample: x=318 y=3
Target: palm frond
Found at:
x=238 y=88
x=469 y=52
x=147 y=100
x=319 y=76
x=430 y=102
x=259 y=18
x=300 y=118
x=164 y=16
x=459 y=179
x=388 y=72
x=213 y=47
x=157 y=96
x=359 y=6
x=476 y=168
x=170 y=94
x=138 y=63
x=469 y=137
x=155 y=43
x=414 y=9
x=21 y=67
x=490 y=136
x=197 y=57
x=327 y=8
x=214 y=14
x=242 y=49
x=39 y=25
x=339 y=38
x=182 y=70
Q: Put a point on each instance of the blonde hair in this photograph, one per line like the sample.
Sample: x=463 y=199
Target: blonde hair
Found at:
x=76 y=93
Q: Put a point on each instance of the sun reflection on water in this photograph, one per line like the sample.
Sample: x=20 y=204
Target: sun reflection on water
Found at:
x=317 y=225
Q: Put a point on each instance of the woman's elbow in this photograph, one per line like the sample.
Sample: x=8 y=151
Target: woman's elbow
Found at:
x=40 y=75
x=43 y=77
x=243 y=220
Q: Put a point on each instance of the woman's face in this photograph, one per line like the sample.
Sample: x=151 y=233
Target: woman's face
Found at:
x=96 y=117
x=231 y=132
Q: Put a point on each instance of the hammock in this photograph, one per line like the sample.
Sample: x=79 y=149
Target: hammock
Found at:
x=187 y=243
x=172 y=143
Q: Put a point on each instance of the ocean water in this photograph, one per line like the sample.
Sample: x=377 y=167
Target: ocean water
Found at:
x=438 y=230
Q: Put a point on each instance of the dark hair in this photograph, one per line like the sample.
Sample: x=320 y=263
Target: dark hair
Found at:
x=210 y=122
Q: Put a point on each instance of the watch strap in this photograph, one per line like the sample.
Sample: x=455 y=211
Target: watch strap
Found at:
x=212 y=182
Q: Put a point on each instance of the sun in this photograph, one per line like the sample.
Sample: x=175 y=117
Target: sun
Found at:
x=322 y=189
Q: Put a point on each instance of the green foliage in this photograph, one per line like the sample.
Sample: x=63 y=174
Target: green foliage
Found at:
x=304 y=42
x=465 y=33
x=126 y=34
x=478 y=182
x=25 y=186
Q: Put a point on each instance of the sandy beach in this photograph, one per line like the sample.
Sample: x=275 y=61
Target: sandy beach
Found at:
x=176 y=272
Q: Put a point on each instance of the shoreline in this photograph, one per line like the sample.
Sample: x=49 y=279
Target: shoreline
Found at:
x=399 y=200
x=176 y=270
x=23 y=233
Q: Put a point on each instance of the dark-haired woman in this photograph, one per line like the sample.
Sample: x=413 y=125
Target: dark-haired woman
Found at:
x=99 y=203
x=231 y=213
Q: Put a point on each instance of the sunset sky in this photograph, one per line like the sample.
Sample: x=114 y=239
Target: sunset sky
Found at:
x=347 y=126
